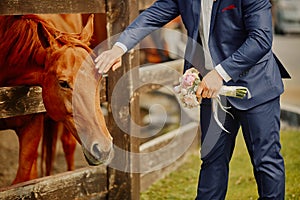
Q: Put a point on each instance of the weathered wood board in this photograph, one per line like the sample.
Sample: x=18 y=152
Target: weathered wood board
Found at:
x=20 y=7
x=85 y=183
x=20 y=100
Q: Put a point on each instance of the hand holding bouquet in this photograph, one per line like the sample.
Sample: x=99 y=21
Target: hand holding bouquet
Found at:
x=189 y=83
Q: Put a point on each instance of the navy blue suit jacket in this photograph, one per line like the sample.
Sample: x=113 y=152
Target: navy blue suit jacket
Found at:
x=240 y=40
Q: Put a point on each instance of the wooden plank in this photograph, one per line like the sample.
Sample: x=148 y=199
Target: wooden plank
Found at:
x=185 y=138
x=85 y=183
x=20 y=100
x=123 y=184
x=20 y=7
x=158 y=75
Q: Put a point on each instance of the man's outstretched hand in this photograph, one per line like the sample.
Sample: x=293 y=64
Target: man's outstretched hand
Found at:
x=109 y=59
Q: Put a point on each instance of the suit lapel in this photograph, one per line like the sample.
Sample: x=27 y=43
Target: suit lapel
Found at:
x=214 y=14
x=196 y=15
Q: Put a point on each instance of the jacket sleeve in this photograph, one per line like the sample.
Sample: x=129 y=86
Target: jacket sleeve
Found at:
x=153 y=18
x=258 y=24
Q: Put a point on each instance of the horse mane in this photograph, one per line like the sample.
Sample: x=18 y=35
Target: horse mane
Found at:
x=19 y=42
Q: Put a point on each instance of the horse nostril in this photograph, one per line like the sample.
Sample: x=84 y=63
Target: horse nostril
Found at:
x=100 y=154
x=96 y=151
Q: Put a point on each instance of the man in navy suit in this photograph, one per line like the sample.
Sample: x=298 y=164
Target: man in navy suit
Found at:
x=236 y=49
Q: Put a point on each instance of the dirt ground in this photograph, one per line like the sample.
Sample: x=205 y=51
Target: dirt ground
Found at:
x=9 y=158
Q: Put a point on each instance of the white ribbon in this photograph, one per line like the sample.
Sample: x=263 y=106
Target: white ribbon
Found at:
x=215 y=102
x=230 y=91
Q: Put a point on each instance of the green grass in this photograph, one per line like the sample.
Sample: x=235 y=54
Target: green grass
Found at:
x=182 y=184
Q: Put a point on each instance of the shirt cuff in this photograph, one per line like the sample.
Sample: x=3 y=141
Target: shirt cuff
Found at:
x=122 y=46
x=223 y=73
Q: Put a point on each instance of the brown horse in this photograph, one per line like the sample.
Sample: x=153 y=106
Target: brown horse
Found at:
x=53 y=131
x=71 y=23
x=33 y=52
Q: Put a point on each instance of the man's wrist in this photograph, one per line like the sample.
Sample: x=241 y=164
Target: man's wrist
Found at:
x=222 y=73
x=122 y=46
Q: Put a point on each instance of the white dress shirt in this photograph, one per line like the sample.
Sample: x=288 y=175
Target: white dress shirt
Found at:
x=205 y=19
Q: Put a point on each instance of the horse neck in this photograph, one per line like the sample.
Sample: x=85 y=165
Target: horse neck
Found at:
x=21 y=55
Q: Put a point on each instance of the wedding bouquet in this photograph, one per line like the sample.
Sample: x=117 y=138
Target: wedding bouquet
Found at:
x=187 y=88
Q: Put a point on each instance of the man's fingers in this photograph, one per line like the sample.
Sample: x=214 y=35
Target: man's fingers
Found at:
x=205 y=94
x=98 y=64
x=104 y=68
x=103 y=65
x=97 y=61
x=199 y=91
x=117 y=64
x=98 y=58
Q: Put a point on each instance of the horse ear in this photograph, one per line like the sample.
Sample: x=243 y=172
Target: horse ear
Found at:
x=46 y=39
x=87 y=32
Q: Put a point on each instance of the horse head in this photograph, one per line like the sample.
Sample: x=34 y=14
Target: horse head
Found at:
x=71 y=88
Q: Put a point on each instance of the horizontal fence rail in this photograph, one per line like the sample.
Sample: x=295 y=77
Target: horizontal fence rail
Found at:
x=85 y=183
x=161 y=74
x=20 y=100
x=20 y=7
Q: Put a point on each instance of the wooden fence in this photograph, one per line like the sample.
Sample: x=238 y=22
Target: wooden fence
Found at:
x=98 y=182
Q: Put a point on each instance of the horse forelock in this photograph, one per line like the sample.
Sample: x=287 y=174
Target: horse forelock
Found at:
x=67 y=56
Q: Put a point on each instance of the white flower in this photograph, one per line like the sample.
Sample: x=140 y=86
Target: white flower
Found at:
x=177 y=89
x=184 y=91
x=190 y=100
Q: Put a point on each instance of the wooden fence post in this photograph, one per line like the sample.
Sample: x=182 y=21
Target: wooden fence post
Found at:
x=123 y=185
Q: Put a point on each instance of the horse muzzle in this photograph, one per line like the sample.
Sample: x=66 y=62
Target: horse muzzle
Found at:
x=96 y=156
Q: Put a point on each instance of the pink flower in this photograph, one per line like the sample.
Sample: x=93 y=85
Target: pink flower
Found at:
x=188 y=80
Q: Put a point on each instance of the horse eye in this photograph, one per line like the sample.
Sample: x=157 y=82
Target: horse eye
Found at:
x=64 y=84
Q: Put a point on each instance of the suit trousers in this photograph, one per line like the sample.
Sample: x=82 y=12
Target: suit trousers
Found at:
x=260 y=127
